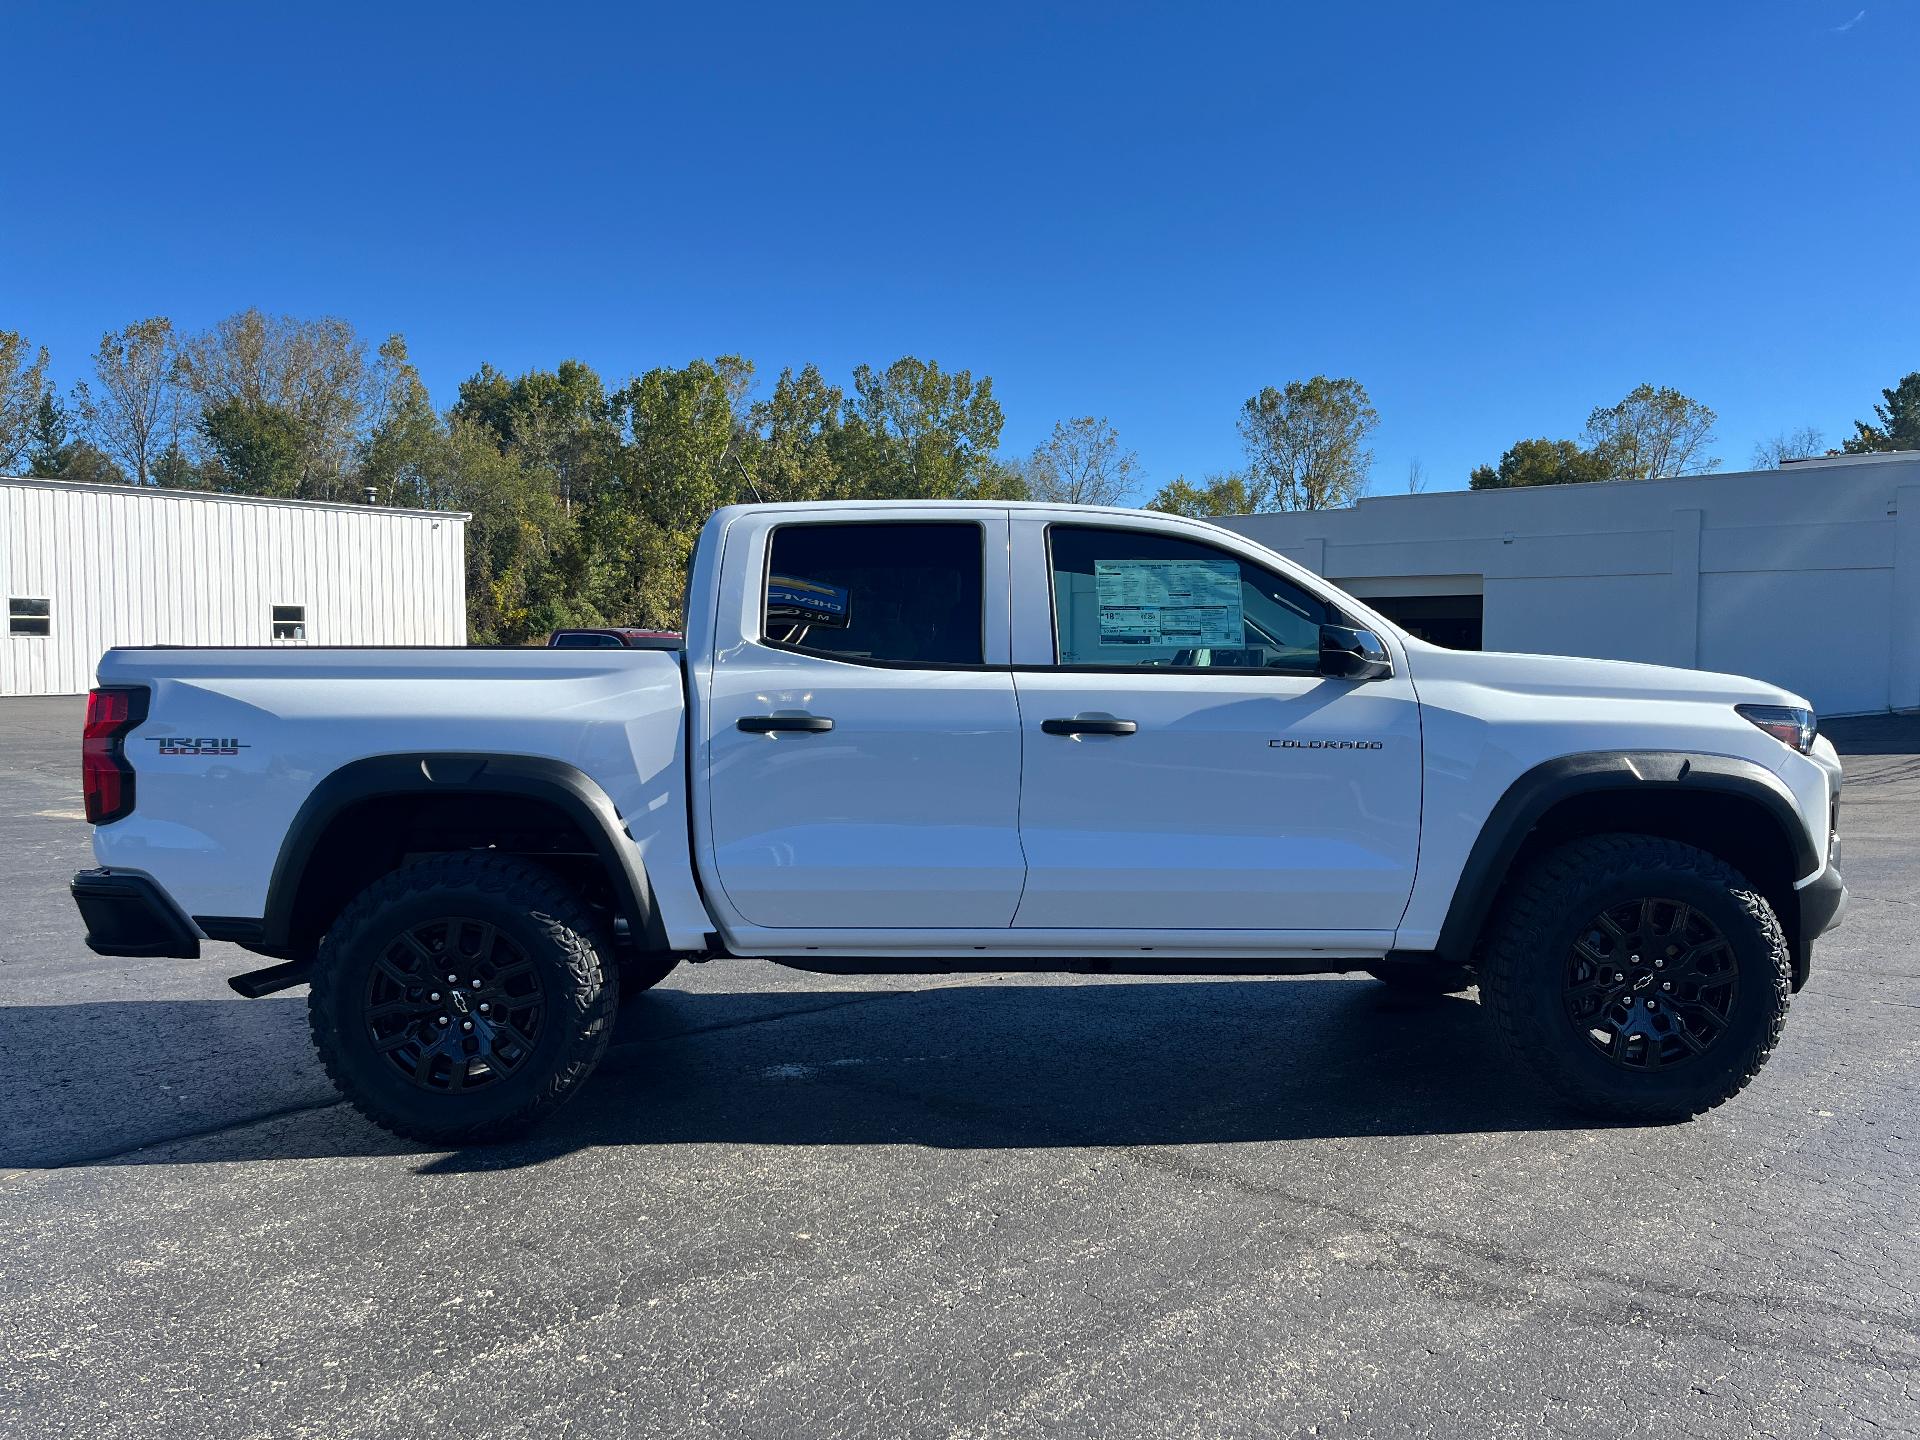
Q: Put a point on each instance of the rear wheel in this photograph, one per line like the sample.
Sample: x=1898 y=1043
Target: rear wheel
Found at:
x=1638 y=978
x=462 y=998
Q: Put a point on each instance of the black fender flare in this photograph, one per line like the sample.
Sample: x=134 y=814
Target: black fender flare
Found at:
x=564 y=786
x=1529 y=798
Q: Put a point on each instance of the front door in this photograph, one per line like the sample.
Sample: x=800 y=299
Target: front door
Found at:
x=1186 y=766
x=864 y=741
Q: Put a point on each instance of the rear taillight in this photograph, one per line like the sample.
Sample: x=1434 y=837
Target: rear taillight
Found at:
x=106 y=778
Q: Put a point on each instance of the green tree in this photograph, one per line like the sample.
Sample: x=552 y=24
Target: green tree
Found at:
x=915 y=431
x=294 y=396
x=680 y=461
x=254 y=448
x=23 y=382
x=1655 y=432
x=1543 y=462
x=561 y=422
x=1214 y=496
x=794 y=442
x=49 y=449
x=133 y=413
x=1082 y=463
x=1307 y=444
x=1899 y=427
x=406 y=437
x=175 y=470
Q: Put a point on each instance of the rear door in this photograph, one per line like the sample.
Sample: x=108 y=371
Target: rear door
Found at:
x=1186 y=765
x=862 y=732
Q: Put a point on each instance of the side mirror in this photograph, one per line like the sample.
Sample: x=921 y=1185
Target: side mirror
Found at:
x=1350 y=654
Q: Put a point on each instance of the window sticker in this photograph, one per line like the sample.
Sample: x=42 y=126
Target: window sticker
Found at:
x=811 y=601
x=1169 y=602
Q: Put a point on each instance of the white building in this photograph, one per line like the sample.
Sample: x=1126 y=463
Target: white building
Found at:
x=1807 y=576
x=87 y=567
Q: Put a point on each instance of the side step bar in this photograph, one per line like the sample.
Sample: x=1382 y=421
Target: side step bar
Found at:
x=275 y=978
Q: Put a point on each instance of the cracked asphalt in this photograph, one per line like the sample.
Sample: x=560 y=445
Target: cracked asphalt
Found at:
x=796 y=1205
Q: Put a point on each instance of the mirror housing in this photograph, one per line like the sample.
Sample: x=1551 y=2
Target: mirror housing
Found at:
x=1350 y=654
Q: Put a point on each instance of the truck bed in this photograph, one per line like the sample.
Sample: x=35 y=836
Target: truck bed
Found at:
x=256 y=729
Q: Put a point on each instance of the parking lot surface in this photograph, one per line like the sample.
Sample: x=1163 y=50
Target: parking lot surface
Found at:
x=793 y=1205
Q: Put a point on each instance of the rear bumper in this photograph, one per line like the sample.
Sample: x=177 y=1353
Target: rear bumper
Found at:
x=130 y=915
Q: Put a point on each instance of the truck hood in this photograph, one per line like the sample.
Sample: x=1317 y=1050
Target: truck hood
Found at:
x=1573 y=675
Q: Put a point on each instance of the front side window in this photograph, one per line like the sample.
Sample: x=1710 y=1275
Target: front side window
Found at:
x=585 y=640
x=29 y=616
x=1136 y=598
x=289 y=622
x=905 y=594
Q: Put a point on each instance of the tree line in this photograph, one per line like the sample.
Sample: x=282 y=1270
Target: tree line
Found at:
x=586 y=496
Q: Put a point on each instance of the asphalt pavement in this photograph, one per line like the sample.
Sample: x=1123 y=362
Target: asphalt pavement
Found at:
x=793 y=1205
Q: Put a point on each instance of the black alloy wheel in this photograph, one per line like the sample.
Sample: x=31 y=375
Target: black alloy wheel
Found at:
x=454 y=1004
x=1651 y=983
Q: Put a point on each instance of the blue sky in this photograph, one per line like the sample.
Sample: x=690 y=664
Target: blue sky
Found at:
x=1495 y=216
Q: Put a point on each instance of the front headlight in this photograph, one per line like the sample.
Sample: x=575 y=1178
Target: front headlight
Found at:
x=1788 y=724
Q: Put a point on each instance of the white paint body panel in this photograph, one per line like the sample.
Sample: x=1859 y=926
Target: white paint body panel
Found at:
x=126 y=565
x=908 y=834
x=1202 y=819
x=905 y=815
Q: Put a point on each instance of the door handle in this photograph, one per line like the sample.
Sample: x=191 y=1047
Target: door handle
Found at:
x=784 y=724
x=1088 y=727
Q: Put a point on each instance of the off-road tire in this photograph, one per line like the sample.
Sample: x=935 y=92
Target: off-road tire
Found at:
x=1420 y=977
x=1523 y=961
x=532 y=908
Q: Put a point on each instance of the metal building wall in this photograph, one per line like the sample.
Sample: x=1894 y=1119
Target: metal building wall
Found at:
x=126 y=566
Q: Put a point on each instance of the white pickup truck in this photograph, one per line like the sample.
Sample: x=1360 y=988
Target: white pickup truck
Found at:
x=916 y=737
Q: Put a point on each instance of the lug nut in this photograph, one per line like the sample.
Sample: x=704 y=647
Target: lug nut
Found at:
x=453 y=979
x=434 y=996
x=1666 y=984
x=1659 y=962
x=443 y=1019
x=468 y=1024
x=484 y=1007
x=1618 y=977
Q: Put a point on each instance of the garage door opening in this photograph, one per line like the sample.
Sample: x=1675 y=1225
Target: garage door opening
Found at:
x=1450 y=620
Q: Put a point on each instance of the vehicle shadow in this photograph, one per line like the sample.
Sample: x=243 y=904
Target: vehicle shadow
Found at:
x=959 y=1065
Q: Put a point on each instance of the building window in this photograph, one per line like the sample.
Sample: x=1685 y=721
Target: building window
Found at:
x=289 y=622
x=29 y=617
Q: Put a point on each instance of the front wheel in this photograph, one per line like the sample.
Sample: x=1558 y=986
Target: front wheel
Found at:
x=1637 y=977
x=462 y=999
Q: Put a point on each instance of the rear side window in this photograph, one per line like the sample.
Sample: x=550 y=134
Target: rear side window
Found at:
x=1135 y=598
x=907 y=594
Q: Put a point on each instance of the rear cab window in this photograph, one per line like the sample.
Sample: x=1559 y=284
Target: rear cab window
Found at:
x=903 y=594
x=1137 y=599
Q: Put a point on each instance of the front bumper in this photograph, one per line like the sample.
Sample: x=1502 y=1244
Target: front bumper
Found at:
x=130 y=915
x=1823 y=901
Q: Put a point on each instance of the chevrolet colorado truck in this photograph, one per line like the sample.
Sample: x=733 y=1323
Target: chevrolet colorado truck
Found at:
x=940 y=737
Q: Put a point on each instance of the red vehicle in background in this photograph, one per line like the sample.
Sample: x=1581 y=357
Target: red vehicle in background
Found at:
x=614 y=637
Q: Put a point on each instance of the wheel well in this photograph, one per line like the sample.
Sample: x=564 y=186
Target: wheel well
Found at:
x=376 y=836
x=1738 y=830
